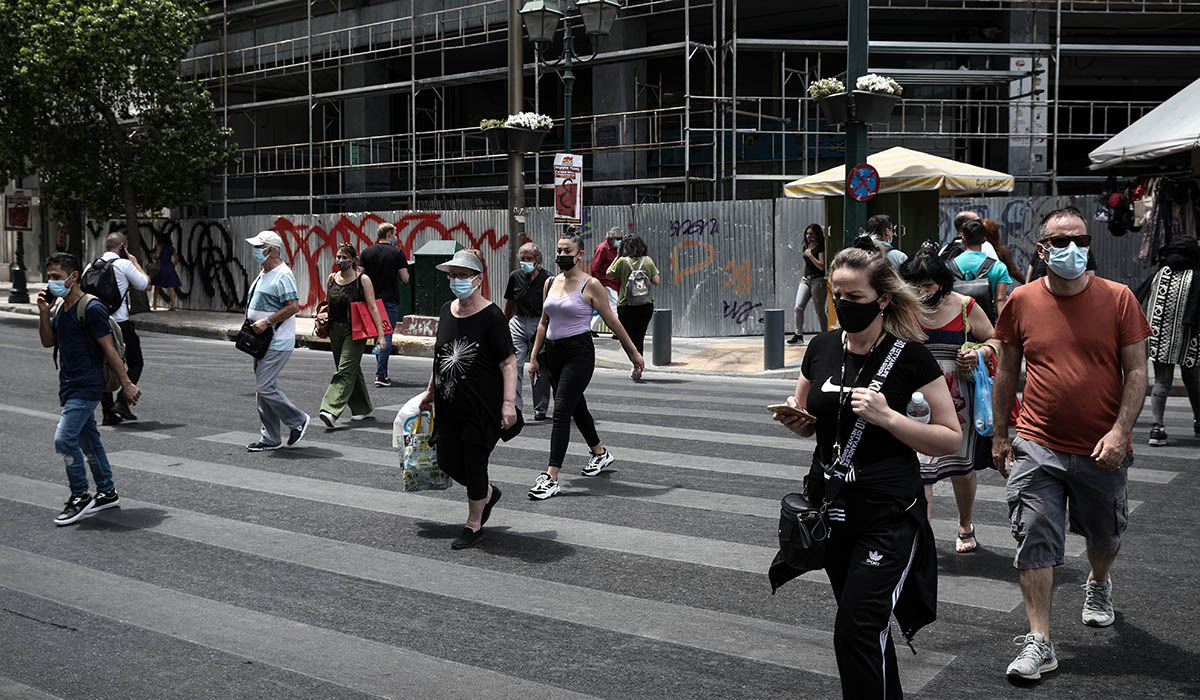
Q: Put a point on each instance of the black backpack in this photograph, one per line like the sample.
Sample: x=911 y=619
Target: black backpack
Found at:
x=978 y=288
x=100 y=280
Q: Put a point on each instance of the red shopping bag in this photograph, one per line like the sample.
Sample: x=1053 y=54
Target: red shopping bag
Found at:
x=361 y=323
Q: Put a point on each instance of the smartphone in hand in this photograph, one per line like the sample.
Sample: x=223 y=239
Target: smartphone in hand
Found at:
x=784 y=409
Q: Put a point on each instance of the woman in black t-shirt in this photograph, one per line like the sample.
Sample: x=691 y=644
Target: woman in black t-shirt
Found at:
x=880 y=557
x=472 y=388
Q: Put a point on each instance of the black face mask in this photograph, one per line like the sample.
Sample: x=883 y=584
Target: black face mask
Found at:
x=565 y=262
x=855 y=317
x=932 y=301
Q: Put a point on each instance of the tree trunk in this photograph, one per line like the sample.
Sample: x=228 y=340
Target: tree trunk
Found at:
x=139 y=302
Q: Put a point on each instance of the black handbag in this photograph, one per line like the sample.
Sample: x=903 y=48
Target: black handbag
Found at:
x=251 y=343
x=803 y=531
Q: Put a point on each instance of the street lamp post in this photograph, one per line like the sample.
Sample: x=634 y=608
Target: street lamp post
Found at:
x=541 y=24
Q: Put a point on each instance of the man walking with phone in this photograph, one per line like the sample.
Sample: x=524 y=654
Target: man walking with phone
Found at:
x=1080 y=335
x=83 y=346
x=129 y=274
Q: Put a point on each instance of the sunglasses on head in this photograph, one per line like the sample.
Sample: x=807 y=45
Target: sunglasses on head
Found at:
x=1063 y=241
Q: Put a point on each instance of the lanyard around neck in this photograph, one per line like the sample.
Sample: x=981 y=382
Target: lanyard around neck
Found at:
x=843 y=395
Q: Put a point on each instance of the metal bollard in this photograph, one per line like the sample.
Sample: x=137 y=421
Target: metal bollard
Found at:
x=662 y=337
x=773 y=339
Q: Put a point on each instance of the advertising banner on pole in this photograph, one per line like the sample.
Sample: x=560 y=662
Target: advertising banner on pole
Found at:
x=568 y=188
x=16 y=211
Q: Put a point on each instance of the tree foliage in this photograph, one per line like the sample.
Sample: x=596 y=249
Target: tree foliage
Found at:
x=91 y=100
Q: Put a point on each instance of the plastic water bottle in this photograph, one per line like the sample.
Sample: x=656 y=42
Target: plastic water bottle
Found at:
x=918 y=409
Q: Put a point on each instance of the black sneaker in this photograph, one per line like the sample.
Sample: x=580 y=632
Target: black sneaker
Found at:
x=1158 y=436
x=539 y=416
x=111 y=418
x=77 y=507
x=796 y=339
x=261 y=446
x=386 y=381
x=104 y=501
x=122 y=409
x=297 y=434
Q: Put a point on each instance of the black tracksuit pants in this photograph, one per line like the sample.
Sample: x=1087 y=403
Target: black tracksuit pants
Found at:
x=133 y=362
x=868 y=560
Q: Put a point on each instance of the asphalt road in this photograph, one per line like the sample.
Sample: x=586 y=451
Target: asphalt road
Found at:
x=308 y=573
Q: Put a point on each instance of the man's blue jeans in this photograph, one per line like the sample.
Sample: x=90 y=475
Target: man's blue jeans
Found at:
x=76 y=436
x=381 y=360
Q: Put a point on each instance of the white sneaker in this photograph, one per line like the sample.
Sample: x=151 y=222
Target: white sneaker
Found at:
x=1036 y=657
x=545 y=487
x=328 y=419
x=598 y=462
x=1098 y=604
x=361 y=417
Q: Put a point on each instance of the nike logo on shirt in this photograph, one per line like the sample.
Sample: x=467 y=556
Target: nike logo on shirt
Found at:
x=829 y=387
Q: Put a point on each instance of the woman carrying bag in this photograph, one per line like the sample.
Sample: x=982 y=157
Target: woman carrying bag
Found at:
x=956 y=325
x=879 y=554
x=635 y=302
x=342 y=289
x=472 y=389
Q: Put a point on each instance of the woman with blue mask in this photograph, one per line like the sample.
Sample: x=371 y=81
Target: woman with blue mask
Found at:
x=347 y=387
x=471 y=388
x=523 y=309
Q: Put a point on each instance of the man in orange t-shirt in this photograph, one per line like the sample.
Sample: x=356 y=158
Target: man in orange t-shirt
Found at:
x=1081 y=338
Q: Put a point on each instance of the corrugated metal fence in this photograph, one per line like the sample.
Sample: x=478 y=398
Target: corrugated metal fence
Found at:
x=722 y=263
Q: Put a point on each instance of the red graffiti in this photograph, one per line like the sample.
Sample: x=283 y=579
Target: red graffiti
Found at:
x=304 y=244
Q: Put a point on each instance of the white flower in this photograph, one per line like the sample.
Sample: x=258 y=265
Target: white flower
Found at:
x=873 y=82
x=529 y=120
x=825 y=87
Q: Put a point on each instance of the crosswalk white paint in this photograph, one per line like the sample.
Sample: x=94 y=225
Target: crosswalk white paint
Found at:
x=12 y=690
x=367 y=666
x=970 y=591
x=758 y=640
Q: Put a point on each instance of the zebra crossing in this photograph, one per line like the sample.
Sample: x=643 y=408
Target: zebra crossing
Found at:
x=650 y=580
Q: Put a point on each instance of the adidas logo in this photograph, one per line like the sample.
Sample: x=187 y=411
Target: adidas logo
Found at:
x=873 y=558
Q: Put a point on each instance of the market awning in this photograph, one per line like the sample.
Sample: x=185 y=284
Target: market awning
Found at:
x=1172 y=127
x=905 y=170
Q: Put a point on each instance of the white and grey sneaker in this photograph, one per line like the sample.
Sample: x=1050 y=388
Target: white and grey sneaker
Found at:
x=327 y=418
x=597 y=463
x=1036 y=657
x=545 y=487
x=1097 y=604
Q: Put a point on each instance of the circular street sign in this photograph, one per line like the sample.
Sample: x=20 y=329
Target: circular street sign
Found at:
x=863 y=182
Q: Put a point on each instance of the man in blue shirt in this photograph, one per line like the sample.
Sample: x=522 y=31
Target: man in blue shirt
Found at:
x=974 y=235
x=274 y=302
x=82 y=351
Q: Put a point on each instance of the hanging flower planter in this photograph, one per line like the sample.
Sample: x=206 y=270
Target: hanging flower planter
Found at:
x=523 y=132
x=875 y=97
x=834 y=108
x=872 y=107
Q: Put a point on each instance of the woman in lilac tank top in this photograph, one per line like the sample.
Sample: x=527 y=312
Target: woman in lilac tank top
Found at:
x=563 y=349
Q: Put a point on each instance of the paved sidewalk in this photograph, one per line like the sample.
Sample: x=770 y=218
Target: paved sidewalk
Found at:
x=720 y=356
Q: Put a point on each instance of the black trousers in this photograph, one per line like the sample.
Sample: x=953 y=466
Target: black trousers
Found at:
x=867 y=562
x=636 y=320
x=465 y=462
x=133 y=362
x=569 y=362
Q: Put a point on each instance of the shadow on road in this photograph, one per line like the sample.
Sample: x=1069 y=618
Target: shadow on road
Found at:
x=529 y=547
x=118 y=519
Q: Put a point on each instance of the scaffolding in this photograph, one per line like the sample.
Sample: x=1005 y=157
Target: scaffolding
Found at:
x=266 y=60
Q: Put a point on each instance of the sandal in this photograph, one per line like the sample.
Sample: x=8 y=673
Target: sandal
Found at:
x=964 y=536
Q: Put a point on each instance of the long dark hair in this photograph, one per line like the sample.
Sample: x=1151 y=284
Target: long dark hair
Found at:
x=633 y=246
x=818 y=235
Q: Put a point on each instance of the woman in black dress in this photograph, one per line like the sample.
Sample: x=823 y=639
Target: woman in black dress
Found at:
x=472 y=389
x=880 y=557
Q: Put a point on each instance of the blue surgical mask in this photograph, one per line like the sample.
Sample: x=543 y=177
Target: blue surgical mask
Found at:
x=463 y=288
x=1068 y=263
x=616 y=243
x=527 y=267
x=260 y=255
x=58 y=288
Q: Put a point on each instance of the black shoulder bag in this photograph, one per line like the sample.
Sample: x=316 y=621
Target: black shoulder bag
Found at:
x=254 y=344
x=803 y=526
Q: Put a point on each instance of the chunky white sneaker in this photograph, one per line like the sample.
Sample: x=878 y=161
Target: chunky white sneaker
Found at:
x=328 y=419
x=545 y=487
x=597 y=463
x=1036 y=657
x=1097 y=604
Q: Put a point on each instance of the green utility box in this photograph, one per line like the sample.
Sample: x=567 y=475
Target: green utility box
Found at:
x=404 y=291
x=430 y=289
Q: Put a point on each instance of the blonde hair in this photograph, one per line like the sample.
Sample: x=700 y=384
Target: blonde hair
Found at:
x=904 y=316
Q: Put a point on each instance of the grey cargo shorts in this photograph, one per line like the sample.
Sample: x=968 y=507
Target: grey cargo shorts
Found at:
x=1044 y=485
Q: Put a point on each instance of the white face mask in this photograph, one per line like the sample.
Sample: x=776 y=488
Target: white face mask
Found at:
x=1069 y=263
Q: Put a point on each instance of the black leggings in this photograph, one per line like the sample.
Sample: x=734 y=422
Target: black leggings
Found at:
x=636 y=319
x=133 y=361
x=569 y=362
x=465 y=462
